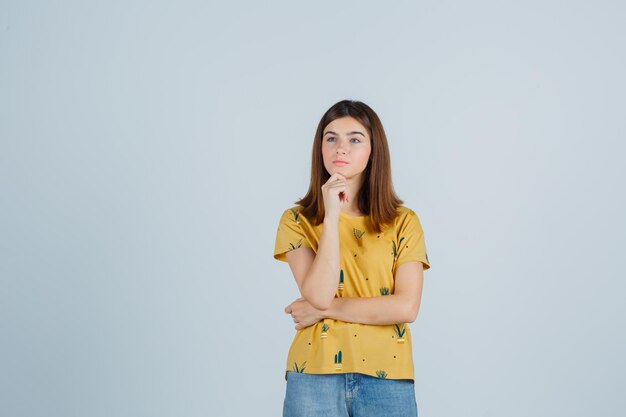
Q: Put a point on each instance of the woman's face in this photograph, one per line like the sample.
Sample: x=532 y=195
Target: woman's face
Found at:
x=347 y=140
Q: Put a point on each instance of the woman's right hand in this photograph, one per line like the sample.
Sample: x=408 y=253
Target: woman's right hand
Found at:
x=335 y=192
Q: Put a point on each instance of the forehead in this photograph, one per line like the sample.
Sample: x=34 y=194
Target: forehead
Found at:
x=344 y=125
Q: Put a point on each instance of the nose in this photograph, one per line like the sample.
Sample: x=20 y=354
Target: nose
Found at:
x=340 y=149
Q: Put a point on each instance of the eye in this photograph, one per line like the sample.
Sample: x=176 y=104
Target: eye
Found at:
x=357 y=139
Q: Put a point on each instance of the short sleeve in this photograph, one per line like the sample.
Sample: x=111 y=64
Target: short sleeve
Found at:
x=289 y=235
x=410 y=244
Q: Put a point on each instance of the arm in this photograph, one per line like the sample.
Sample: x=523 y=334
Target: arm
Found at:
x=385 y=309
x=400 y=307
x=317 y=274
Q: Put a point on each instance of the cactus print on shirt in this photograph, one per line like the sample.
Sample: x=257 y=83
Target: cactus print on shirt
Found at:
x=368 y=263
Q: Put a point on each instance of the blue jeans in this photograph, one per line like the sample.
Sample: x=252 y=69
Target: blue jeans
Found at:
x=348 y=395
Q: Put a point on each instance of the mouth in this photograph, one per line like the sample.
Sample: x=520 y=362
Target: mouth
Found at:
x=340 y=163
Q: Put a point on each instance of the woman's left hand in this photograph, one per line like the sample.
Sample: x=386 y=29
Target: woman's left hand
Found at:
x=303 y=313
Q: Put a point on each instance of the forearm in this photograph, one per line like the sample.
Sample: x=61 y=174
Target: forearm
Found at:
x=320 y=284
x=386 y=309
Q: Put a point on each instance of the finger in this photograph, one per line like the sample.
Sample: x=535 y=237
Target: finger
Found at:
x=338 y=186
x=330 y=180
x=334 y=177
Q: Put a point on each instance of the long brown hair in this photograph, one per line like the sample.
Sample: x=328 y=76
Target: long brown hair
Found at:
x=377 y=197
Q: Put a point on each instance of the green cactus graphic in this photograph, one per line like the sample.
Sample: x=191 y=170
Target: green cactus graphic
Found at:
x=324 y=330
x=381 y=374
x=299 y=369
x=400 y=332
x=357 y=233
x=296 y=246
x=338 y=360
x=341 y=286
x=384 y=291
x=396 y=248
x=296 y=215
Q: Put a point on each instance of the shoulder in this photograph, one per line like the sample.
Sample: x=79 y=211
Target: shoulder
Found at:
x=292 y=214
x=405 y=212
x=293 y=211
x=407 y=218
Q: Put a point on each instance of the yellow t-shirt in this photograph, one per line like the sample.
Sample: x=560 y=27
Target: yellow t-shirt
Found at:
x=368 y=263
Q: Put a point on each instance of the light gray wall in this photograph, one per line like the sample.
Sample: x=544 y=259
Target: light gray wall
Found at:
x=148 y=149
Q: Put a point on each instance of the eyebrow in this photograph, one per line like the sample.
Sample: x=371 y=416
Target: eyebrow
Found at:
x=349 y=133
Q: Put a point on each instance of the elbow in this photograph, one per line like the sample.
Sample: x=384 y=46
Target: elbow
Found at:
x=411 y=318
x=412 y=308
x=411 y=313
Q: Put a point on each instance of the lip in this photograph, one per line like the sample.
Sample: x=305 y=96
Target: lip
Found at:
x=340 y=162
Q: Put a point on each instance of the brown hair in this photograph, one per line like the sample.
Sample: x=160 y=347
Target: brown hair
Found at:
x=376 y=196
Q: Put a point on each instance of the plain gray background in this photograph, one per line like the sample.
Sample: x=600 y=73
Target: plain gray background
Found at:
x=148 y=149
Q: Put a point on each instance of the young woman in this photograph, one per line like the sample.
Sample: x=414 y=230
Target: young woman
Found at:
x=358 y=256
